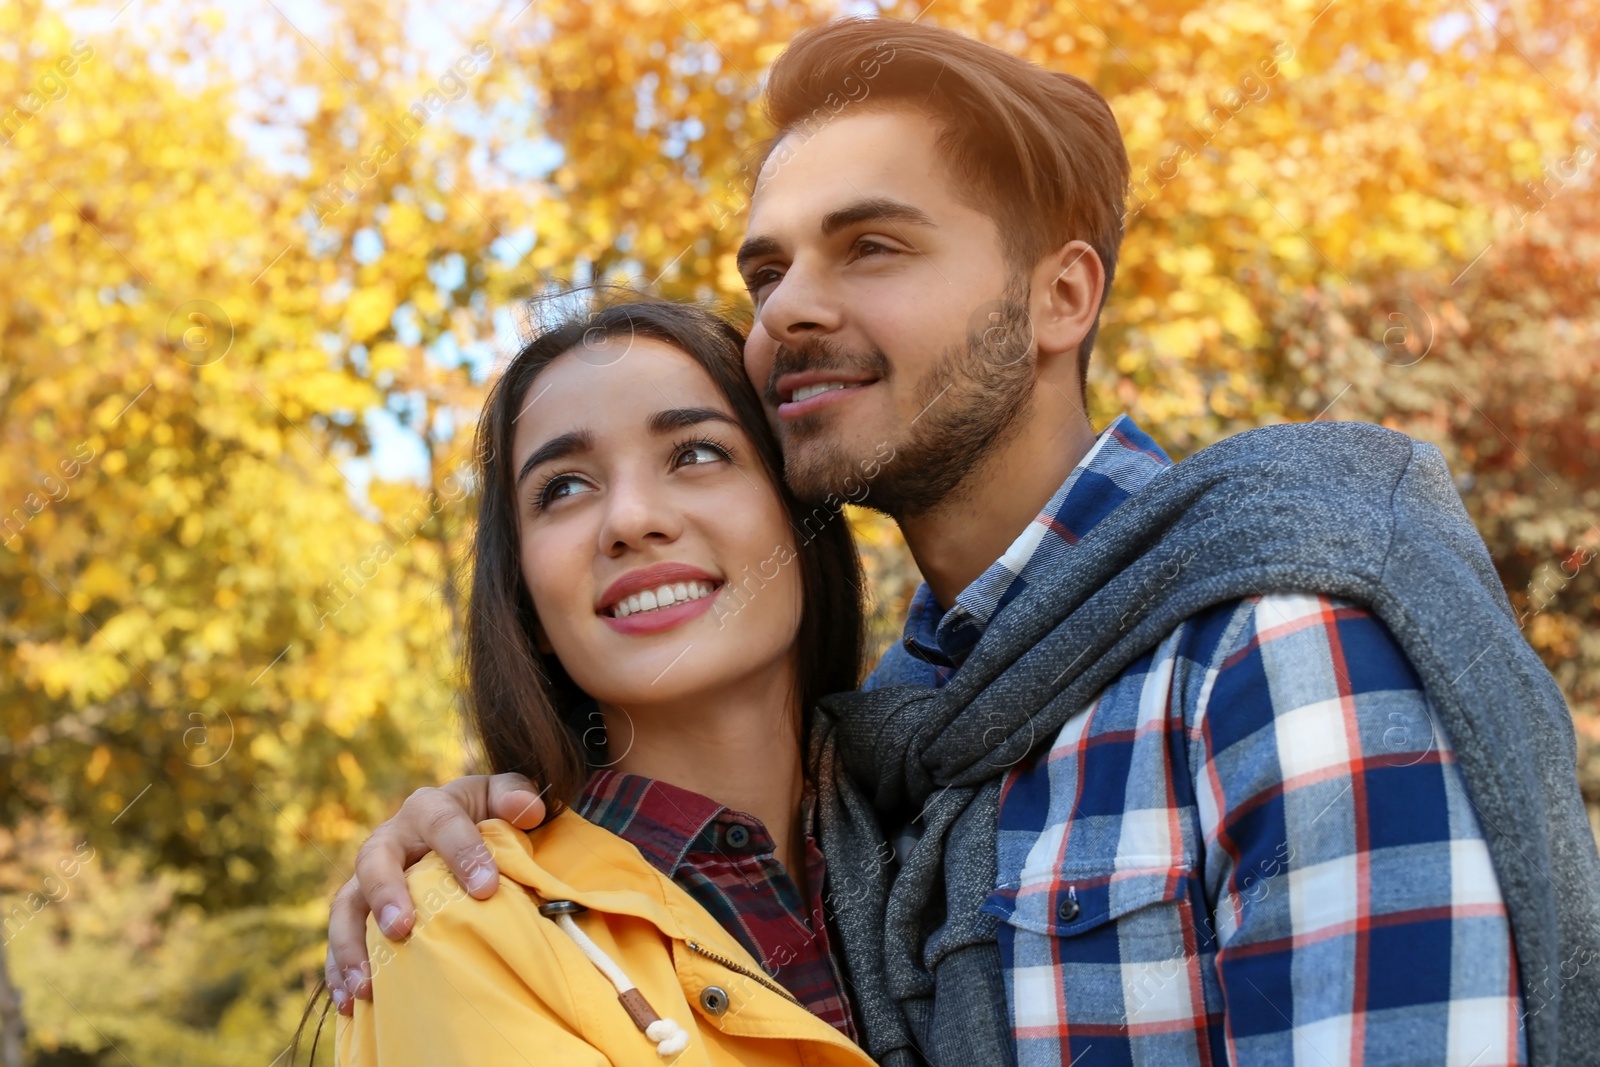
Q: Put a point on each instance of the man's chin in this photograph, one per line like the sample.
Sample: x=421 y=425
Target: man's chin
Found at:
x=820 y=471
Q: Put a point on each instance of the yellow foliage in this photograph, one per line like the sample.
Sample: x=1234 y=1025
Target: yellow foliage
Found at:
x=369 y=309
x=184 y=651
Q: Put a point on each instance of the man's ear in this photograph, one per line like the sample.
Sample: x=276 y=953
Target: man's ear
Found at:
x=1065 y=302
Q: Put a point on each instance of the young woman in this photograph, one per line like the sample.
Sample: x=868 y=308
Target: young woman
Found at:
x=647 y=622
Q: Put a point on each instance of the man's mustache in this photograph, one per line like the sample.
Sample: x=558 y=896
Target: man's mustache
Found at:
x=819 y=353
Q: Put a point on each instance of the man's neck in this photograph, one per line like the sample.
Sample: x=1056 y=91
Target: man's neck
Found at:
x=954 y=544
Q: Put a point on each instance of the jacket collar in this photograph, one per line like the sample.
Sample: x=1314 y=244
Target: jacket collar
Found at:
x=606 y=874
x=598 y=869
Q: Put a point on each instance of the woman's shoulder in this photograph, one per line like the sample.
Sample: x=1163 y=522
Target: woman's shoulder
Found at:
x=448 y=919
x=501 y=959
x=567 y=858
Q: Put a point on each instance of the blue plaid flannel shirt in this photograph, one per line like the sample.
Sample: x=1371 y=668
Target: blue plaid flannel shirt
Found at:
x=1254 y=846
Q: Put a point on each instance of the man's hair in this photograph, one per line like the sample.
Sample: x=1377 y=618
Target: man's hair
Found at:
x=1040 y=149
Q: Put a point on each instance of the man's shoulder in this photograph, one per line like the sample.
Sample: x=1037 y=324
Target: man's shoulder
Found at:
x=1257 y=658
x=1286 y=662
x=1281 y=629
x=1236 y=675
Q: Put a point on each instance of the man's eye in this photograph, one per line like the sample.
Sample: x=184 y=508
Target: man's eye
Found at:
x=869 y=247
x=760 y=279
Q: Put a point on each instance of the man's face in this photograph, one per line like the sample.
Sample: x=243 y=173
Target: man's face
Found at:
x=890 y=340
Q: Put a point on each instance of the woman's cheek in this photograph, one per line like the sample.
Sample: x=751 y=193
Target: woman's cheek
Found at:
x=780 y=573
x=553 y=580
x=758 y=356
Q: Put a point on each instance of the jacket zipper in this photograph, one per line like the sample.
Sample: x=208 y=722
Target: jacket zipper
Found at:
x=732 y=966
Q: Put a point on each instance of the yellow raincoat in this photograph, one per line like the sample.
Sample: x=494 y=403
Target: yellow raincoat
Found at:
x=494 y=983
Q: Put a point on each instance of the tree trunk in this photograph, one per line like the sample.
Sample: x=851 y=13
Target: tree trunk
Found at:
x=13 y=1031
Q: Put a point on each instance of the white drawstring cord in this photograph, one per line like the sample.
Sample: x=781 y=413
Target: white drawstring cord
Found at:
x=670 y=1038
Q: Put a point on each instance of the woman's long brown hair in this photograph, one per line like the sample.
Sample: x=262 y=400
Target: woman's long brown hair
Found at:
x=522 y=706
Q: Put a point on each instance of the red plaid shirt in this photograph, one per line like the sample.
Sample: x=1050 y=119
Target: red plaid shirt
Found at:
x=725 y=859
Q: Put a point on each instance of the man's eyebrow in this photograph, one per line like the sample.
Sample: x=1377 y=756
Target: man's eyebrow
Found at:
x=682 y=418
x=755 y=247
x=868 y=209
x=557 y=448
x=874 y=207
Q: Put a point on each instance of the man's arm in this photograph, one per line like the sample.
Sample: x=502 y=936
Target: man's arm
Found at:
x=1357 y=913
x=442 y=820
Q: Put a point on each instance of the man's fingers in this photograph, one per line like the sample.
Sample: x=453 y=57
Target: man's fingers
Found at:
x=348 y=973
x=335 y=984
x=470 y=791
x=448 y=825
x=380 y=885
x=512 y=797
x=436 y=820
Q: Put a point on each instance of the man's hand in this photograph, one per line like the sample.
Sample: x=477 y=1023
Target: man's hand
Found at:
x=442 y=820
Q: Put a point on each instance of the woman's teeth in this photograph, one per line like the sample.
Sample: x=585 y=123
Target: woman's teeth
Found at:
x=806 y=392
x=664 y=597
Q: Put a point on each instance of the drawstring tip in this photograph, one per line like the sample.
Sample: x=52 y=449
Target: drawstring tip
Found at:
x=670 y=1038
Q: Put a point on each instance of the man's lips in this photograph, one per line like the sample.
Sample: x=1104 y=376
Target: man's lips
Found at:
x=808 y=391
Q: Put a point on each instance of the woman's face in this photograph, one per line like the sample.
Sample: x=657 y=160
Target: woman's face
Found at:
x=656 y=550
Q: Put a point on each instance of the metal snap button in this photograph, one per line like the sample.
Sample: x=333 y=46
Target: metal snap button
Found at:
x=714 y=1000
x=1067 y=910
x=738 y=836
x=552 y=908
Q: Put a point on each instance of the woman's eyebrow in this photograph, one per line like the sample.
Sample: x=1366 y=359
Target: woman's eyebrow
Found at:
x=682 y=418
x=557 y=448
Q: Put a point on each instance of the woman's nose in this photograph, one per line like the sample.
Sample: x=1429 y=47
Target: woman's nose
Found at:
x=638 y=512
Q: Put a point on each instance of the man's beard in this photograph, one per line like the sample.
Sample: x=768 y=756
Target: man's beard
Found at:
x=973 y=402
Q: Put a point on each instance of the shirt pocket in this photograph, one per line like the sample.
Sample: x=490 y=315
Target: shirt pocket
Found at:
x=1087 y=950
x=1069 y=904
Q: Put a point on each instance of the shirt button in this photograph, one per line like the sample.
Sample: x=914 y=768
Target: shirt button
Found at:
x=714 y=1000
x=1067 y=910
x=737 y=836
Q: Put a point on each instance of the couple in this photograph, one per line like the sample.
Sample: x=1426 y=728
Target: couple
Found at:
x=1240 y=759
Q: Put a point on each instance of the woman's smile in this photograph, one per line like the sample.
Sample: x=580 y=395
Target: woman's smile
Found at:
x=659 y=597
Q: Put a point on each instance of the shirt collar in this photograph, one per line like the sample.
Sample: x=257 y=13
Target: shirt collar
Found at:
x=1122 y=461
x=661 y=820
x=667 y=823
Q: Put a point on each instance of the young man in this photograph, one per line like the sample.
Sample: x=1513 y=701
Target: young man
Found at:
x=1240 y=759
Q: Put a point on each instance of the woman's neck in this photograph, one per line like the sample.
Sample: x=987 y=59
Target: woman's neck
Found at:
x=740 y=747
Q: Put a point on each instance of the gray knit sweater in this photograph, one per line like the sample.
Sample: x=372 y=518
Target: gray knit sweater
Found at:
x=1341 y=509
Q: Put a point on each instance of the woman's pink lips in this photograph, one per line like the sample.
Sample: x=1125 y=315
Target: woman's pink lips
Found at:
x=793 y=409
x=649 y=622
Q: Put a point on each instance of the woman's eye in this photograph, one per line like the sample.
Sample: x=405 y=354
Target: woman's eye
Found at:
x=700 y=452
x=562 y=485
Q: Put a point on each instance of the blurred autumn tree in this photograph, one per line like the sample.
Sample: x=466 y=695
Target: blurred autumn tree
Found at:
x=229 y=646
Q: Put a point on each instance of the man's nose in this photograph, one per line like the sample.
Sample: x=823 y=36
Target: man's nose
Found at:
x=801 y=305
